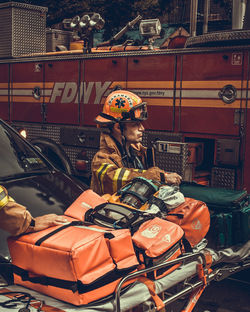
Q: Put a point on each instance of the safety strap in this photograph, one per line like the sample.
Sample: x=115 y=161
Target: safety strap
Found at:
x=151 y=287
x=42 y=239
x=187 y=245
x=45 y=280
x=74 y=286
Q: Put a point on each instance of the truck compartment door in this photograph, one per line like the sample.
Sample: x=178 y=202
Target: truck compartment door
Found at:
x=211 y=92
x=26 y=91
x=62 y=85
x=4 y=91
x=152 y=77
x=99 y=77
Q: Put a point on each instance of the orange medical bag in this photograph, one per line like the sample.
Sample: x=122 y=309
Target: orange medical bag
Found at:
x=193 y=217
x=86 y=201
x=74 y=262
x=155 y=240
x=158 y=241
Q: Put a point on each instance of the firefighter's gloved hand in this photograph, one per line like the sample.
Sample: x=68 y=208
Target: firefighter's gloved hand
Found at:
x=173 y=178
x=43 y=222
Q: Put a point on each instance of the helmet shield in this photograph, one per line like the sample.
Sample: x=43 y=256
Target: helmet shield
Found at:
x=137 y=113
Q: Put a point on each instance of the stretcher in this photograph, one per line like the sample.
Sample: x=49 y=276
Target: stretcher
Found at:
x=188 y=281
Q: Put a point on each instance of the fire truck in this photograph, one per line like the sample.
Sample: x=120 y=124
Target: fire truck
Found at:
x=197 y=96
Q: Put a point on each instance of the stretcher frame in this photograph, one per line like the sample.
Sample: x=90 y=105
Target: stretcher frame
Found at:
x=194 y=275
x=204 y=273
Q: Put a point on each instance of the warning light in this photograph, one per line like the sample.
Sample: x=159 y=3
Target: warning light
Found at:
x=23 y=133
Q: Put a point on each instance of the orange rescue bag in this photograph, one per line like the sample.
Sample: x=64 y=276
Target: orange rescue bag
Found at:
x=158 y=241
x=75 y=263
x=193 y=217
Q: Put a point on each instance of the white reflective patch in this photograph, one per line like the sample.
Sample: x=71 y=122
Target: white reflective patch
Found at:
x=152 y=231
x=167 y=238
x=85 y=205
x=200 y=94
x=46 y=92
x=26 y=92
x=3 y=92
x=196 y=225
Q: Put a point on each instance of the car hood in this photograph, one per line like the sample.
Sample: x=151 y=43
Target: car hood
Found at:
x=51 y=192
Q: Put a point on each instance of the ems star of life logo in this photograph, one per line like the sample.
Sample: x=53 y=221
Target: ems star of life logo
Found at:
x=196 y=225
x=152 y=231
x=119 y=98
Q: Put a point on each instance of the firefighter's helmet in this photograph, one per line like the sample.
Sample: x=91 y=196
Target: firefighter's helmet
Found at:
x=122 y=106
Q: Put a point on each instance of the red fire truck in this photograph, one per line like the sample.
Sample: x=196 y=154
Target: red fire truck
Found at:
x=197 y=99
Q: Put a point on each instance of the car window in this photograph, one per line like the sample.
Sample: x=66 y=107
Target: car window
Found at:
x=16 y=156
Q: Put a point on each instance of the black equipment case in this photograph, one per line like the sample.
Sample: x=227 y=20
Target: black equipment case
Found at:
x=230 y=213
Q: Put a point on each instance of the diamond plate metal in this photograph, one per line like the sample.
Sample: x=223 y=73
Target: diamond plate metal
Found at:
x=53 y=132
x=173 y=157
x=22 y=29
x=223 y=178
x=170 y=162
x=149 y=137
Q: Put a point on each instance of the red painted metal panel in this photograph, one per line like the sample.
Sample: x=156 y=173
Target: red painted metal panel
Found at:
x=63 y=90
x=4 y=95
x=152 y=78
x=203 y=77
x=99 y=77
x=26 y=77
x=215 y=121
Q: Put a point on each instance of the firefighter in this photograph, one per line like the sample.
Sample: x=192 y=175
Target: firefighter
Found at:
x=16 y=219
x=122 y=156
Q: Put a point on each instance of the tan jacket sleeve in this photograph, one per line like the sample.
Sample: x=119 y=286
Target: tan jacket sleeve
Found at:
x=14 y=218
x=108 y=174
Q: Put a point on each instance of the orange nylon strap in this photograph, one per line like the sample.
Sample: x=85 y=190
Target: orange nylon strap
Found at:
x=208 y=258
x=151 y=287
x=45 y=307
x=193 y=299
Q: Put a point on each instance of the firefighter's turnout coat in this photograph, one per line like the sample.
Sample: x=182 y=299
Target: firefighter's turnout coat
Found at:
x=111 y=168
x=14 y=218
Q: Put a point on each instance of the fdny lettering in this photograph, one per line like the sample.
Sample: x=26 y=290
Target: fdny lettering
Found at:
x=67 y=92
